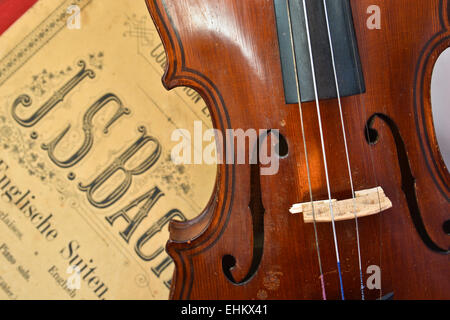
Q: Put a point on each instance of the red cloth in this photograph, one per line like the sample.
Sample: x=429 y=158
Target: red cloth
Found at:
x=11 y=10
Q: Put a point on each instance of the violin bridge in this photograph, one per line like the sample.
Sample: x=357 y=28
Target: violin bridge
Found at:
x=367 y=202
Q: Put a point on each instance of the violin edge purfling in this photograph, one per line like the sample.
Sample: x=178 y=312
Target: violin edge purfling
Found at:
x=228 y=52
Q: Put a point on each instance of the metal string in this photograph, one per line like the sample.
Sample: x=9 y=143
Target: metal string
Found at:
x=346 y=147
x=363 y=106
x=322 y=141
x=322 y=280
x=323 y=149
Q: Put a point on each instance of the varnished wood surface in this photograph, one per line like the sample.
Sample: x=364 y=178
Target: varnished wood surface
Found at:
x=227 y=50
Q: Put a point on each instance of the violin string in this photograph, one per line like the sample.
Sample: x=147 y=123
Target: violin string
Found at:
x=322 y=280
x=372 y=161
x=346 y=147
x=323 y=148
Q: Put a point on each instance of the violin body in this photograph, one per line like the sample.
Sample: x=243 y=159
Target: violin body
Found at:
x=246 y=244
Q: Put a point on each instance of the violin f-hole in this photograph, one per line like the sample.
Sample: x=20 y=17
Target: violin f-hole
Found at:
x=407 y=178
x=257 y=210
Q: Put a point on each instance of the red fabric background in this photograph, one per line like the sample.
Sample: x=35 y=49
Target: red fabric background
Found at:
x=11 y=10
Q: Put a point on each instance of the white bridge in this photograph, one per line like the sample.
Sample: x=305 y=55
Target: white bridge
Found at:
x=366 y=202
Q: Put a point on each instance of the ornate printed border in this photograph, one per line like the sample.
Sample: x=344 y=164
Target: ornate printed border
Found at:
x=36 y=39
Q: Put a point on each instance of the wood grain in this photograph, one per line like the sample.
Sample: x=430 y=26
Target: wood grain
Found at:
x=227 y=50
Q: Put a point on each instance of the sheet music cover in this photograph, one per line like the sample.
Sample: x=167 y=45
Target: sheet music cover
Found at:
x=87 y=185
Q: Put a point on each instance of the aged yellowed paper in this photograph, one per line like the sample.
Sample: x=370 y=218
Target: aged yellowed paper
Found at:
x=87 y=185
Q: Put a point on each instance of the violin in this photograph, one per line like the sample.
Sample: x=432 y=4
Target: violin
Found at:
x=344 y=193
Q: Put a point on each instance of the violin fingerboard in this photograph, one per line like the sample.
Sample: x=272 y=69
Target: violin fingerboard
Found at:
x=348 y=68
